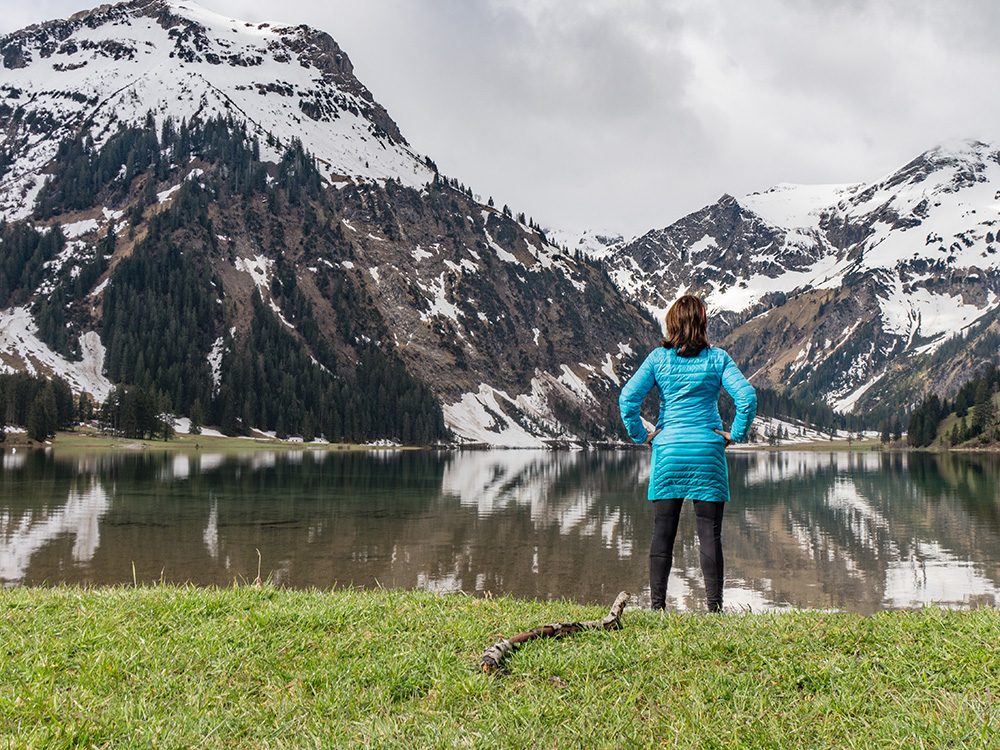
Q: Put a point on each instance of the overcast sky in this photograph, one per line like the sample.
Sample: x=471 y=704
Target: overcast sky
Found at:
x=627 y=114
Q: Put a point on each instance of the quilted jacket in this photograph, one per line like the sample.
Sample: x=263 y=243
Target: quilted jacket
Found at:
x=689 y=459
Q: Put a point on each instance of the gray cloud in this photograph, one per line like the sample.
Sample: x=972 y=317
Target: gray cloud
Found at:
x=626 y=114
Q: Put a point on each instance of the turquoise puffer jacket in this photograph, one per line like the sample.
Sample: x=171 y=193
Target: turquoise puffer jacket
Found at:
x=689 y=459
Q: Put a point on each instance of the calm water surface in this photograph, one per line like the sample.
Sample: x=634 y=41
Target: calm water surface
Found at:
x=858 y=532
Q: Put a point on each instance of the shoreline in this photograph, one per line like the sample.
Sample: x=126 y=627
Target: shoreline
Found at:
x=86 y=438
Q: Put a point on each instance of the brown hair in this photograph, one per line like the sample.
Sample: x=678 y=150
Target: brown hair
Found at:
x=686 y=327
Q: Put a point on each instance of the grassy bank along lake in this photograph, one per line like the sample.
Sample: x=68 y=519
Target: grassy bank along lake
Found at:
x=90 y=439
x=168 y=666
x=87 y=439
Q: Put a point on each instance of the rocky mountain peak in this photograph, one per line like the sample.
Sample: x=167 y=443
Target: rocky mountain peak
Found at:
x=946 y=168
x=114 y=65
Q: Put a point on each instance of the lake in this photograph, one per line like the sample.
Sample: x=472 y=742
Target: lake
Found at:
x=860 y=532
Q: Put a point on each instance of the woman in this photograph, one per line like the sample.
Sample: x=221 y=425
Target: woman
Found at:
x=689 y=460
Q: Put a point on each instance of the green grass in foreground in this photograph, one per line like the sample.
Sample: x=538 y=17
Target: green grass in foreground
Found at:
x=257 y=668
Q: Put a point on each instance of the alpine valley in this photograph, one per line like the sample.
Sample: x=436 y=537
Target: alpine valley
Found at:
x=219 y=216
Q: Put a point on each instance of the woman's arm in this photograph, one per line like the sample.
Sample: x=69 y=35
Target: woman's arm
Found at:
x=745 y=398
x=631 y=398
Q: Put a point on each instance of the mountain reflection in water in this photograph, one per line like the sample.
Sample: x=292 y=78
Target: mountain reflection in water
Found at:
x=854 y=531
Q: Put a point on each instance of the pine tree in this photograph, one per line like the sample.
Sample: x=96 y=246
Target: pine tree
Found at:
x=915 y=429
x=37 y=429
x=85 y=407
x=984 y=410
x=197 y=417
x=42 y=417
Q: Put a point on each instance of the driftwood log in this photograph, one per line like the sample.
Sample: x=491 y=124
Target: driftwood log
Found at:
x=494 y=655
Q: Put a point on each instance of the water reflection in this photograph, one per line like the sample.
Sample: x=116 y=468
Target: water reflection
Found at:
x=78 y=519
x=860 y=532
x=869 y=531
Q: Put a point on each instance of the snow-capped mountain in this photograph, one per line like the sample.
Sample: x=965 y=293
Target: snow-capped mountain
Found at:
x=222 y=214
x=831 y=290
x=175 y=59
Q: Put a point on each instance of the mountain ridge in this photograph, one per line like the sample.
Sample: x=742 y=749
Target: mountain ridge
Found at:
x=902 y=264
x=355 y=264
x=175 y=59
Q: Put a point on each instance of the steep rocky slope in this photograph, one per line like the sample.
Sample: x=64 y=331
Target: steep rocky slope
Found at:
x=222 y=215
x=868 y=296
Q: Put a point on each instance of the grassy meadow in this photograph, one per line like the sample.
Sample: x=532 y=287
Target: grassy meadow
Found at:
x=246 y=667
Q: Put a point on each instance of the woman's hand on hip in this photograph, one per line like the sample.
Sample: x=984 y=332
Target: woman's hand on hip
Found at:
x=653 y=434
x=727 y=436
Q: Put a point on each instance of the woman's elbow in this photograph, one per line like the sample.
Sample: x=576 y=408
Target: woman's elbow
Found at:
x=623 y=405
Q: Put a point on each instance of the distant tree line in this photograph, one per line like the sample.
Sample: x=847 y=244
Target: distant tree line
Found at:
x=138 y=413
x=164 y=307
x=974 y=408
x=817 y=415
x=160 y=317
x=272 y=384
x=38 y=404
x=85 y=174
x=43 y=405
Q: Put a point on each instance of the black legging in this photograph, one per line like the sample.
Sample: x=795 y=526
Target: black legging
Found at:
x=666 y=515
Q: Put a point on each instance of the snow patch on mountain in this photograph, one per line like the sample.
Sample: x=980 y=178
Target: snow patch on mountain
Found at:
x=575 y=383
x=73 y=254
x=502 y=254
x=919 y=310
x=259 y=269
x=846 y=404
x=796 y=206
x=439 y=304
x=215 y=360
x=22 y=351
x=480 y=418
x=592 y=243
x=826 y=273
x=80 y=228
x=493 y=417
